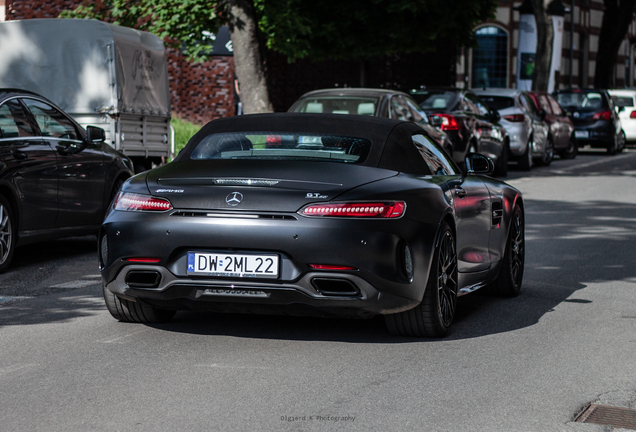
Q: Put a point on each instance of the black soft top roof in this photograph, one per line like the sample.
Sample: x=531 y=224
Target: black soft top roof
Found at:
x=392 y=147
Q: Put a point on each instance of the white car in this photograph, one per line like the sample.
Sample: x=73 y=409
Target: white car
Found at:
x=625 y=101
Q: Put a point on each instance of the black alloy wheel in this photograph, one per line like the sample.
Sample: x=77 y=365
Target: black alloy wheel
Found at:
x=621 y=141
x=508 y=283
x=434 y=315
x=548 y=153
x=134 y=312
x=571 y=150
x=7 y=234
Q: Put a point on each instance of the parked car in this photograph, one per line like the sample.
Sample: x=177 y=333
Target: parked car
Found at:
x=528 y=133
x=471 y=126
x=625 y=101
x=561 y=127
x=372 y=102
x=596 y=123
x=329 y=215
x=56 y=179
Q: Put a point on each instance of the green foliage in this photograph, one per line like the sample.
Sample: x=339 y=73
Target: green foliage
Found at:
x=319 y=29
x=183 y=131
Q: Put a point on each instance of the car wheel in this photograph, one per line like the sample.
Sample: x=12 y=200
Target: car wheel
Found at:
x=7 y=234
x=621 y=142
x=508 y=283
x=525 y=161
x=434 y=315
x=548 y=154
x=129 y=311
x=571 y=150
x=502 y=162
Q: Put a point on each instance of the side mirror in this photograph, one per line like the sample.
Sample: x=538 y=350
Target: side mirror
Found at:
x=479 y=164
x=495 y=116
x=95 y=134
x=543 y=114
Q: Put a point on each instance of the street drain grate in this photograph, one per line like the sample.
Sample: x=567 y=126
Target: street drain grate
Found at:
x=608 y=415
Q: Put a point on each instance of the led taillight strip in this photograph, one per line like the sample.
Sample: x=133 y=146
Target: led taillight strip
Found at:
x=356 y=210
x=143 y=260
x=136 y=202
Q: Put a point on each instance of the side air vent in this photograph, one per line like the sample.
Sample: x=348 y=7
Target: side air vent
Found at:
x=335 y=287
x=143 y=279
x=497 y=213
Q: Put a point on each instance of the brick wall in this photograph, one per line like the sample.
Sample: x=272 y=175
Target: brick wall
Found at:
x=199 y=92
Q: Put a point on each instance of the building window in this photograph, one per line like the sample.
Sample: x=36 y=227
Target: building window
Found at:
x=490 y=58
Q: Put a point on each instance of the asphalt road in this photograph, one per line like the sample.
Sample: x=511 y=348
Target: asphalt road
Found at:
x=525 y=364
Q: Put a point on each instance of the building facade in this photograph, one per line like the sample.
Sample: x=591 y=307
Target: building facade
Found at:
x=497 y=59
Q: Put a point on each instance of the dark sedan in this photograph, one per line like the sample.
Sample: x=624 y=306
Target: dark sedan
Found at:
x=56 y=179
x=596 y=121
x=470 y=124
x=372 y=102
x=328 y=215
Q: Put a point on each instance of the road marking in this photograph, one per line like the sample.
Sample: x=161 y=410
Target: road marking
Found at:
x=75 y=284
x=117 y=339
x=93 y=276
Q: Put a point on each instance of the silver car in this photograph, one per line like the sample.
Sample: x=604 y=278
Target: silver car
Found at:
x=529 y=134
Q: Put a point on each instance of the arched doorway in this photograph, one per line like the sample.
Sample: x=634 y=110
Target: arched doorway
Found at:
x=490 y=58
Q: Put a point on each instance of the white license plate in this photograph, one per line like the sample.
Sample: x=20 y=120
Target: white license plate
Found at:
x=581 y=134
x=233 y=265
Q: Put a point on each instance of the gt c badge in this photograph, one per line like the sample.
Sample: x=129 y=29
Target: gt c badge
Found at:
x=315 y=195
x=234 y=198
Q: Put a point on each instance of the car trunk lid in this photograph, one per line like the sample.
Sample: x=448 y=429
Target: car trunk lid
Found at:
x=263 y=186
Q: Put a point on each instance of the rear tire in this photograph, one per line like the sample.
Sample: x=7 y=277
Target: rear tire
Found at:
x=621 y=142
x=502 y=162
x=525 y=161
x=571 y=150
x=434 y=315
x=129 y=311
x=7 y=234
x=508 y=283
x=548 y=154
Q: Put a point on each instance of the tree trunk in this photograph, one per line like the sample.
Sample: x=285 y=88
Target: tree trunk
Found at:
x=616 y=20
x=545 y=36
x=249 y=57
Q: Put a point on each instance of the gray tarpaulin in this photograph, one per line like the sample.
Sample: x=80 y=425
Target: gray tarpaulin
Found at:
x=70 y=62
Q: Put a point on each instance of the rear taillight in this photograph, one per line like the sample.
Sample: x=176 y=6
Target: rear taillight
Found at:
x=515 y=118
x=448 y=122
x=603 y=115
x=136 y=202
x=143 y=260
x=356 y=210
x=330 y=267
x=633 y=114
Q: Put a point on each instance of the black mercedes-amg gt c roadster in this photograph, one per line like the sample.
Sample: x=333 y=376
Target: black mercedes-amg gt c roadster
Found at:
x=312 y=214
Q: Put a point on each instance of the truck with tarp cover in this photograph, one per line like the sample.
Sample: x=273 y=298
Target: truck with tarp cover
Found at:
x=101 y=74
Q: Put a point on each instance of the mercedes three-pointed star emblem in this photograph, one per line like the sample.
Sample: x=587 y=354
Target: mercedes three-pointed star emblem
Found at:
x=234 y=198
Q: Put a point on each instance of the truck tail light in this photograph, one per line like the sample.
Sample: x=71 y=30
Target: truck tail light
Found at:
x=515 y=118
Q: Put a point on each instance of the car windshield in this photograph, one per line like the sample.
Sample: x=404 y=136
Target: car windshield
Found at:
x=623 y=101
x=497 y=102
x=338 y=105
x=283 y=146
x=581 y=101
x=434 y=100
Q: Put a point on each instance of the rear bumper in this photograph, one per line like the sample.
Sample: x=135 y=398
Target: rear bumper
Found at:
x=379 y=284
x=301 y=297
